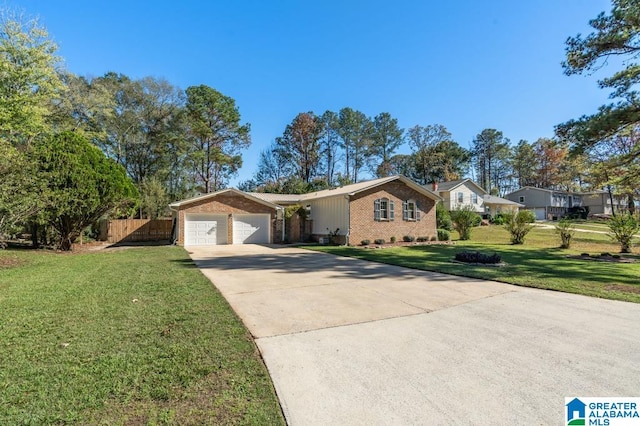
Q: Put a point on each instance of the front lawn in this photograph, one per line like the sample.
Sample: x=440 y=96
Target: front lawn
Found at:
x=124 y=336
x=538 y=263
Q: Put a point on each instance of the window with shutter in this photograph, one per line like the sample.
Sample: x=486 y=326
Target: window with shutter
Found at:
x=391 y=211
x=376 y=210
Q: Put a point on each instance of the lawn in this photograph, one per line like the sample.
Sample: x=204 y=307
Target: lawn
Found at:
x=124 y=336
x=538 y=263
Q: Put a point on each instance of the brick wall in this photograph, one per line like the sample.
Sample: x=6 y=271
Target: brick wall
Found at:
x=364 y=227
x=229 y=204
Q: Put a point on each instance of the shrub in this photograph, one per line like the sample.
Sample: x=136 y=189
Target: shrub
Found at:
x=379 y=241
x=477 y=257
x=498 y=219
x=433 y=238
x=365 y=242
x=422 y=239
x=392 y=239
x=518 y=225
x=463 y=219
x=443 y=235
x=408 y=238
x=565 y=229
x=622 y=228
x=443 y=219
x=477 y=220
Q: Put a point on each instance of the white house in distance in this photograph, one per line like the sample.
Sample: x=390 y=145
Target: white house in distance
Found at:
x=463 y=192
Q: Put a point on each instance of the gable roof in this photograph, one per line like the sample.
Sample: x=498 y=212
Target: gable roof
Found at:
x=363 y=186
x=492 y=199
x=234 y=191
x=453 y=184
x=277 y=198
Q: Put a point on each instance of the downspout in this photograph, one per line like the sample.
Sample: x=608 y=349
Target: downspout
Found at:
x=346 y=237
x=282 y=214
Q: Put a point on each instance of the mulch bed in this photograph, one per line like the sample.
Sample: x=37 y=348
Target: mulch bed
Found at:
x=605 y=257
x=408 y=244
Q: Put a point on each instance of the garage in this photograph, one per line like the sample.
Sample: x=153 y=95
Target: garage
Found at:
x=205 y=229
x=541 y=213
x=251 y=228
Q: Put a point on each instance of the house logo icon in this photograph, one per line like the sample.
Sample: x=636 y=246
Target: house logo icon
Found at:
x=576 y=412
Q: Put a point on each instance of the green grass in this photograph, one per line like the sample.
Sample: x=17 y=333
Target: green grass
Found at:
x=133 y=336
x=538 y=263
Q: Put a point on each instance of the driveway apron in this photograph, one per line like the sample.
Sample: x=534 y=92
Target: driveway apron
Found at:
x=354 y=342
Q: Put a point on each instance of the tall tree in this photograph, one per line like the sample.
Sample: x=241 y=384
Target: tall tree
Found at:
x=28 y=79
x=550 y=157
x=216 y=136
x=491 y=155
x=355 y=130
x=300 y=143
x=386 y=139
x=615 y=35
x=80 y=184
x=524 y=164
x=436 y=156
x=329 y=146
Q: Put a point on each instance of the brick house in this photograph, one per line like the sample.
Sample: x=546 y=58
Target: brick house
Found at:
x=382 y=208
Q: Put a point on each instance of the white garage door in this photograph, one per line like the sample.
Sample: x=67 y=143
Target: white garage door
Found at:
x=540 y=213
x=205 y=229
x=251 y=228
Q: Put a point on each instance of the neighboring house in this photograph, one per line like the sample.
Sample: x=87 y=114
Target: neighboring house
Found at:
x=465 y=192
x=549 y=204
x=394 y=206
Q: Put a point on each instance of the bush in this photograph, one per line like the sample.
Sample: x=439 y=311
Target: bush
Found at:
x=392 y=239
x=379 y=241
x=422 y=239
x=565 y=229
x=443 y=235
x=518 y=225
x=477 y=257
x=477 y=220
x=443 y=219
x=433 y=238
x=498 y=219
x=463 y=219
x=408 y=238
x=365 y=242
x=622 y=228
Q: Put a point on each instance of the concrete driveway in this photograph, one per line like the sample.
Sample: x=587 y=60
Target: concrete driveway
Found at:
x=354 y=342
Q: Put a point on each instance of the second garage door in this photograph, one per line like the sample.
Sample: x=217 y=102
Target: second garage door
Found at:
x=251 y=228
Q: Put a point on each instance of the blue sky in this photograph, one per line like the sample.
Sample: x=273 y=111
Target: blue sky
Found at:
x=468 y=65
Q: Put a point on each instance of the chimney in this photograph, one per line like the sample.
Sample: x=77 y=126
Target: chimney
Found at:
x=434 y=185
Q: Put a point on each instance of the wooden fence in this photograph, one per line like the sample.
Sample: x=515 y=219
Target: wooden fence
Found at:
x=131 y=230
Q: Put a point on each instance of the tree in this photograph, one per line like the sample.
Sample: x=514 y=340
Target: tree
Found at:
x=492 y=156
x=550 y=158
x=28 y=80
x=524 y=164
x=519 y=224
x=463 y=219
x=300 y=144
x=622 y=229
x=216 y=136
x=355 y=131
x=615 y=35
x=80 y=184
x=386 y=139
x=566 y=231
x=329 y=146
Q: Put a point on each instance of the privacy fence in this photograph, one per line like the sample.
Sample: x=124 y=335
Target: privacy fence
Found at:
x=133 y=230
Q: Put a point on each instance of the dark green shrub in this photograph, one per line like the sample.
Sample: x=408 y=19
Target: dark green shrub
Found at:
x=477 y=220
x=408 y=238
x=477 y=257
x=379 y=241
x=443 y=235
x=422 y=239
x=392 y=239
x=443 y=218
x=498 y=219
x=433 y=238
x=365 y=242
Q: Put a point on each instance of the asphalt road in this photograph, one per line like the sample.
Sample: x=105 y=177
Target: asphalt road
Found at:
x=354 y=342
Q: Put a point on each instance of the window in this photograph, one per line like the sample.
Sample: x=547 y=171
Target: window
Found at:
x=410 y=210
x=474 y=198
x=383 y=210
x=460 y=197
x=521 y=199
